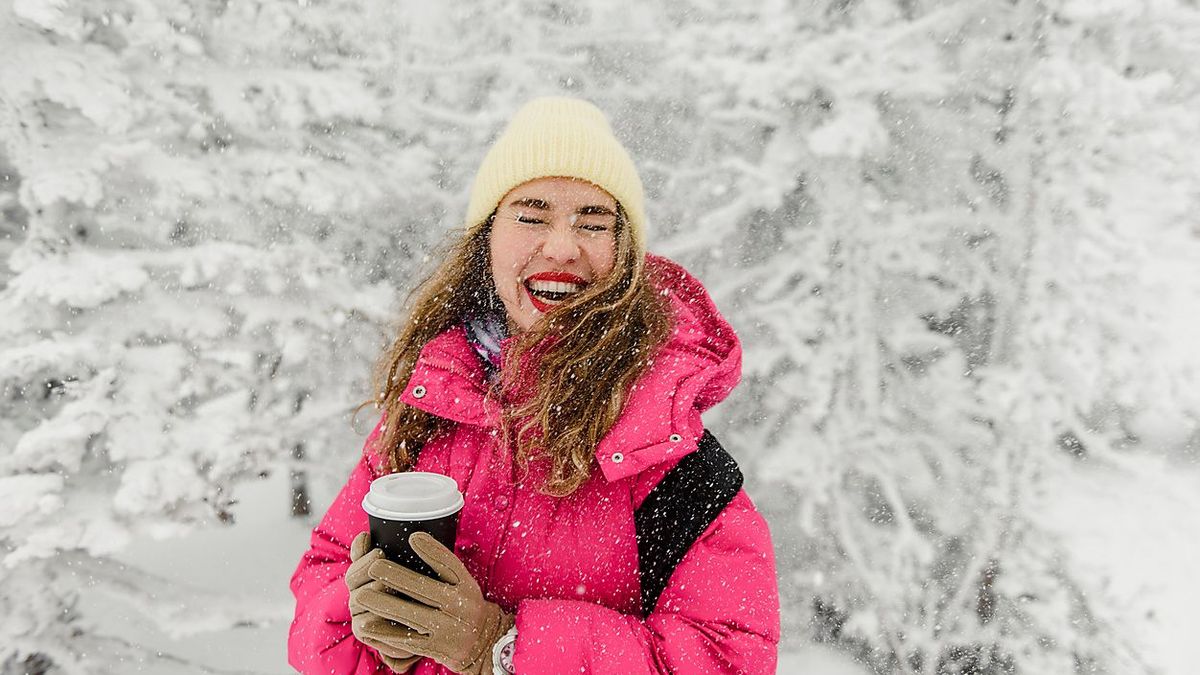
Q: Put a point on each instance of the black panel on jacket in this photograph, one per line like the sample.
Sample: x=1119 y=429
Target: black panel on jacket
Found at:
x=678 y=510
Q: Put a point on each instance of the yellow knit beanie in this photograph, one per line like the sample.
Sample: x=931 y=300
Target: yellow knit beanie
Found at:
x=559 y=136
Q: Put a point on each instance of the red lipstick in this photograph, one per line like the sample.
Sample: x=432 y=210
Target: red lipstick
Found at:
x=557 y=276
x=542 y=305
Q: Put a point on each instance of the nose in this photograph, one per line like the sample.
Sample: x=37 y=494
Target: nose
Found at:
x=560 y=245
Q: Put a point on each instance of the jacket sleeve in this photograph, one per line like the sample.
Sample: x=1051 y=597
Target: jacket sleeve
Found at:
x=718 y=614
x=320 y=639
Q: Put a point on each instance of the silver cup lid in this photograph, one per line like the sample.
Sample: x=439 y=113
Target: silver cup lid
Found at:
x=413 y=495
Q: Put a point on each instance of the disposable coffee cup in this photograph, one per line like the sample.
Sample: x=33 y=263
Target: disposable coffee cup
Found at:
x=400 y=504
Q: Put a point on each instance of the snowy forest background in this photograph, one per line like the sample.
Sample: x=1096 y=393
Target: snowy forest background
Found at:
x=959 y=240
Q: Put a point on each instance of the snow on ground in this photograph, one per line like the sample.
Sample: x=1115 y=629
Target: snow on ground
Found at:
x=817 y=660
x=1133 y=532
x=253 y=559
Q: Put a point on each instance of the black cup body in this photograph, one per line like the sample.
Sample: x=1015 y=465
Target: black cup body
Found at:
x=391 y=536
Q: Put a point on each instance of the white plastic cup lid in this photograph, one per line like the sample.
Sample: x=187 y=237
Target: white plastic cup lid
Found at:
x=413 y=495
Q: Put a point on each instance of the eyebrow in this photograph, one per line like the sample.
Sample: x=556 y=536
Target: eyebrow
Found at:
x=531 y=203
x=542 y=205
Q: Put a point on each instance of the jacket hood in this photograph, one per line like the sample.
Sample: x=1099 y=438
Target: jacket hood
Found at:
x=696 y=368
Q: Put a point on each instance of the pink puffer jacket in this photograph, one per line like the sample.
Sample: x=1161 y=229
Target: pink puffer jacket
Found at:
x=568 y=567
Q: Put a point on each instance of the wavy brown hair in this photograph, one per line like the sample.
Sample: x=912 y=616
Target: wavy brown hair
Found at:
x=584 y=357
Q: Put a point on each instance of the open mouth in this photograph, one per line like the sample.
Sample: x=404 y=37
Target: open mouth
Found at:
x=548 y=289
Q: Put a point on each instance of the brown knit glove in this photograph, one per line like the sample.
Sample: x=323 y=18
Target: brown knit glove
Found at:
x=449 y=621
x=361 y=558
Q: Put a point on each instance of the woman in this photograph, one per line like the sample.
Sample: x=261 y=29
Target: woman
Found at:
x=556 y=372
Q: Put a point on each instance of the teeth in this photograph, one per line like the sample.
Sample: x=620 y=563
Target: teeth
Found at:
x=553 y=286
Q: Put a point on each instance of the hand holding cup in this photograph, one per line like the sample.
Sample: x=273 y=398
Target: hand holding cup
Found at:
x=446 y=619
x=361 y=557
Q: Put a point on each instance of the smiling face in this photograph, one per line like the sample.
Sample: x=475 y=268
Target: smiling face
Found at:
x=550 y=239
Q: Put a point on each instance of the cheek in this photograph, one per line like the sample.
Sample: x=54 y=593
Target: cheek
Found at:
x=510 y=254
x=502 y=257
x=602 y=255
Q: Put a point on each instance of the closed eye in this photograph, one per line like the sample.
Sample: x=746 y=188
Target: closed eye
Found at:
x=529 y=221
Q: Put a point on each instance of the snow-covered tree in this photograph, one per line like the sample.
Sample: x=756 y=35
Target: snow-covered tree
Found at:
x=893 y=213
x=186 y=288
